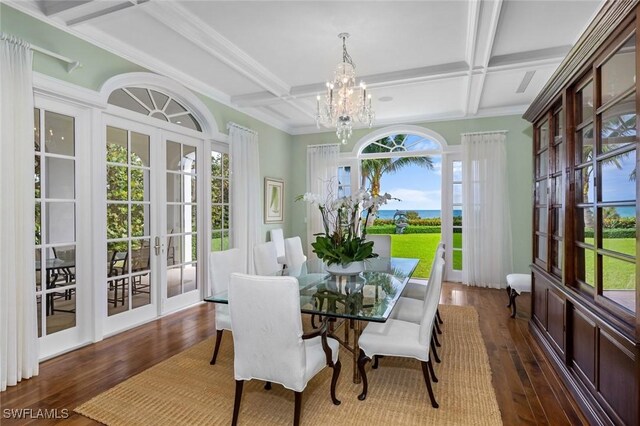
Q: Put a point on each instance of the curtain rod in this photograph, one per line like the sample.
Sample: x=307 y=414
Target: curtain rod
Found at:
x=323 y=144
x=484 y=133
x=71 y=63
x=237 y=126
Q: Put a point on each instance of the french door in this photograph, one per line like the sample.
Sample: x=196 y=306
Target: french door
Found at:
x=151 y=252
x=452 y=214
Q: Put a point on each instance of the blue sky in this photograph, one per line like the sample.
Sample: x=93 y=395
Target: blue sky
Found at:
x=417 y=187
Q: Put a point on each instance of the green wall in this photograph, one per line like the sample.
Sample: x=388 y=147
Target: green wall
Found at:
x=98 y=65
x=520 y=171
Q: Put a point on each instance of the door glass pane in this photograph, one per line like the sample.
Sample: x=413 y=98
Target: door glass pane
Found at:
x=189 y=159
x=60 y=178
x=585 y=265
x=557 y=227
x=225 y=165
x=37 y=177
x=59 y=134
x=174 y=188
x=173 y=156
x=619 y=72
x=457 y=238
x=117 y=151
x=139 y=149
x=619 y=281
x=190 y=189
x=174 y=219
x=189 y=277
x=139 y=184
x=61 y=222
x=556 y=254
x=584 y=145
x=174 y=281
x=174 y=250
x=558 y=157
x=457 y=171
x=36 y=129
x=541 y=192
x=457 y=260
x=117 y=183
x=619 y=124
x=140 y=224
x=585 y=102
x=618 y=177
x=117 y=221
x=457 y=193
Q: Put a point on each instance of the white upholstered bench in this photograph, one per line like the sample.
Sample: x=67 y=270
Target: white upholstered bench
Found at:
x=517 y=284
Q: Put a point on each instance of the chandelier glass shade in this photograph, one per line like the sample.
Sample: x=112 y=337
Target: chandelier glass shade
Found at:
x=344 y=102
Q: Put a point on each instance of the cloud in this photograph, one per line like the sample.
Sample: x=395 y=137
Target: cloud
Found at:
x=413 y=199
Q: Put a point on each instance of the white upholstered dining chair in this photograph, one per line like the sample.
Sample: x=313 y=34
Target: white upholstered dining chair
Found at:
x=221 y=265
x=403 y=339
x=277 y=237
x=417 y=289
x=294 y=254
x=274 y=348
x=381 y=244
x=265 y=257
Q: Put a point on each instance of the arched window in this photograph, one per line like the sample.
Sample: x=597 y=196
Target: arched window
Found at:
x=154 y=104
x=400 y=143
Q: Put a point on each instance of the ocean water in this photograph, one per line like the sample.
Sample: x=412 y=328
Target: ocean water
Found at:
x=424 y=214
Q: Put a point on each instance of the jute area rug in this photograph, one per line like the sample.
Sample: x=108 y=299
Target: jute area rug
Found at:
x=186 y=390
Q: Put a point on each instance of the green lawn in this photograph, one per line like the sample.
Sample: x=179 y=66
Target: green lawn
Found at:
x=423 y=247
x=616 y=274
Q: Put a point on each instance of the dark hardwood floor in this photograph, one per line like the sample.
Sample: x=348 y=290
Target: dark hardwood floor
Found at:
x=528 y=390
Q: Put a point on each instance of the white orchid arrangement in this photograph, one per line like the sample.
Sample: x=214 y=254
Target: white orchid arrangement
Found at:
x=345 y=229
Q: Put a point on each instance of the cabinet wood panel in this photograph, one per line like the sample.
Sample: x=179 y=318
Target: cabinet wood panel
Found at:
x=618 y=381
x=555 y=319
x=540 y=301
x=583 y=339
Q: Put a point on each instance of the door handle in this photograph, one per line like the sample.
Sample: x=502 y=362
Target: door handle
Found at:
x=157 y=246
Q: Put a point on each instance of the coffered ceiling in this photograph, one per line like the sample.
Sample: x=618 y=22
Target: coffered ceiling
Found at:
x=422 y=60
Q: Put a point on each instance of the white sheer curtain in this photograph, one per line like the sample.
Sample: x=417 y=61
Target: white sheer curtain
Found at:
x=18 y=319
x=485 y=202
x=322 y=177
x=245 y=190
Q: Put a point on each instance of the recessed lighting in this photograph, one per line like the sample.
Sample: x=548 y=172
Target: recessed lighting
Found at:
x=385 y=99
x=178 y=122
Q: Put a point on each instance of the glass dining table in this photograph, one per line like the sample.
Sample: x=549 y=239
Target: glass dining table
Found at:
x=347 y=302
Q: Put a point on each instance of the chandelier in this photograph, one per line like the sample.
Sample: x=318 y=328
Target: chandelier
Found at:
x=344 y=103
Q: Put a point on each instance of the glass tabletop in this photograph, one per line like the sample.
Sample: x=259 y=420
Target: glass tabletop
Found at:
x=369 y=296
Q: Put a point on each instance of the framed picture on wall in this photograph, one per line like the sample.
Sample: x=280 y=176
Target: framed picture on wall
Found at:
x=273 y=200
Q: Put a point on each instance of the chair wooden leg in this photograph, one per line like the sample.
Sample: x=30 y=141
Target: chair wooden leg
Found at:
x=217 y=347
x=434 y=404
x=437 y=327
x=432 y=371
x=438 y=316
x=297 y=409
x=236 y=404
x=362 y=360
x=267 y=386
x=509 y=296
x=512 y=302
x=375 y=362
x=435 y=352
x=435 y=339
x=334 y=381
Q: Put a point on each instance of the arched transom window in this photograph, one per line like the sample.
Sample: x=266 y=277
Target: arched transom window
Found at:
x=401 y=143
x=154 y=104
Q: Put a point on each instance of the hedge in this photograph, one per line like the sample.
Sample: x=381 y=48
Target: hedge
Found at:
x=434 y=221
x=612 y=233
x=391 y=229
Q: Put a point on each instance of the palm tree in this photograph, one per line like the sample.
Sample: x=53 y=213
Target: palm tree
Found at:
x=374 y=168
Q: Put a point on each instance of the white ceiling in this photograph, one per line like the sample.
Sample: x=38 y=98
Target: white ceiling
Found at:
x=270 y=59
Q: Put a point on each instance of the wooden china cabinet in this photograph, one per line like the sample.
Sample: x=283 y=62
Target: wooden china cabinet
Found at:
x=586 y=296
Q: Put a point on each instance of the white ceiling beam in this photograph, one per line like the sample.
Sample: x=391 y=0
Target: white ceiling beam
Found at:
x=473 y=22
x=51 y=8
x=477 y=82
x=175 y=17
x=96 y=15
x=390 y=79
